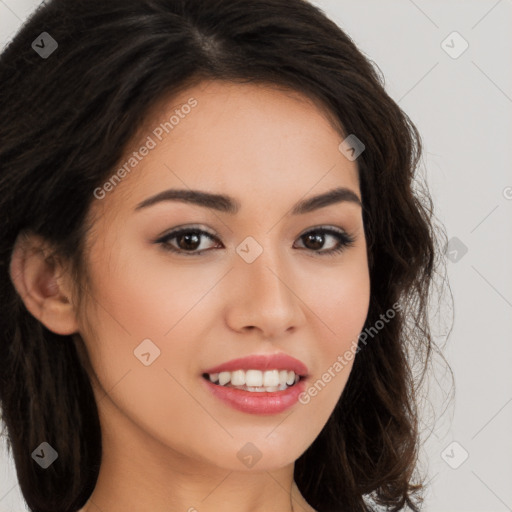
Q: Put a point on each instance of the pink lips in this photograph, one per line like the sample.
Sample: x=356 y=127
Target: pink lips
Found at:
x=259 y=402
x=262 y=362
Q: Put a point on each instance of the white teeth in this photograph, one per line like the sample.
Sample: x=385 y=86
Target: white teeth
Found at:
x=224 y=378
x=238 y=378
x=271 y=378
x=256 y=380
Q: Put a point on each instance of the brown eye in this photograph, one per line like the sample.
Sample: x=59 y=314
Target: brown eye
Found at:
x=316 y=239
x=187 y=241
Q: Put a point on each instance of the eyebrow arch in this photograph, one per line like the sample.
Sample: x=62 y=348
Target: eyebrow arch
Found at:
x=227 y=204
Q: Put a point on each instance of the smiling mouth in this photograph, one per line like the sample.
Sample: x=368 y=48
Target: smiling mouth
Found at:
x=255 y=380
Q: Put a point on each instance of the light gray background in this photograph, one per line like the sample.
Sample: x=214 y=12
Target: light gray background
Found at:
x=463 y=110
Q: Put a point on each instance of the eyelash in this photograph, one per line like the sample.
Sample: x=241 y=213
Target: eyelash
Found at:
x=344 y=239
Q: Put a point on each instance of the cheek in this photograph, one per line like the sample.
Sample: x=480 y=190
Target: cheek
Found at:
x=139 y=310
x=340 y=299
x=335 y=351
x=138 y=300
x=339 y=302
x=141 y=314
x=342 y=307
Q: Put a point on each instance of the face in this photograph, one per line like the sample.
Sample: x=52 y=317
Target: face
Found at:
x=260 y=272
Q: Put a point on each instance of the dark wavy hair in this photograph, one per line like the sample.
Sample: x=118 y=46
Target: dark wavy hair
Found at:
x=67 y=121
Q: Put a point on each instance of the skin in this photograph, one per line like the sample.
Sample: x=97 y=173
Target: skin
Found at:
x=168 y=444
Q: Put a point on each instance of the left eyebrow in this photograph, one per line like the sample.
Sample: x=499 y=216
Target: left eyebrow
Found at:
x=227 y=204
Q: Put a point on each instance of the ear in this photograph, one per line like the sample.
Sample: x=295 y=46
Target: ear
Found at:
x=39 y=280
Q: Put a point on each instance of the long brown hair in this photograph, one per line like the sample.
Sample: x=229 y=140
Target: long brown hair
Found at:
x=66 y=121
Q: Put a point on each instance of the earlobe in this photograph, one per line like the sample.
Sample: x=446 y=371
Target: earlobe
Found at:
x=36 y=279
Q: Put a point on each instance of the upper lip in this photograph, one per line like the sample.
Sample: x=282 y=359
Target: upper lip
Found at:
x=262 y=362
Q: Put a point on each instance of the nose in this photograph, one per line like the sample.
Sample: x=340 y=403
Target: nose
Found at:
x=264 y=297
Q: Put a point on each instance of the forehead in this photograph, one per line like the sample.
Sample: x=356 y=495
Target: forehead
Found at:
x=239 y=139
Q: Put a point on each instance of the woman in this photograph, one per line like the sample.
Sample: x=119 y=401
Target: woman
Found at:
x=215 y=270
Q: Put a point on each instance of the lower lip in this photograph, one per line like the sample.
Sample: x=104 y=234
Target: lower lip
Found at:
x=257 y=402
